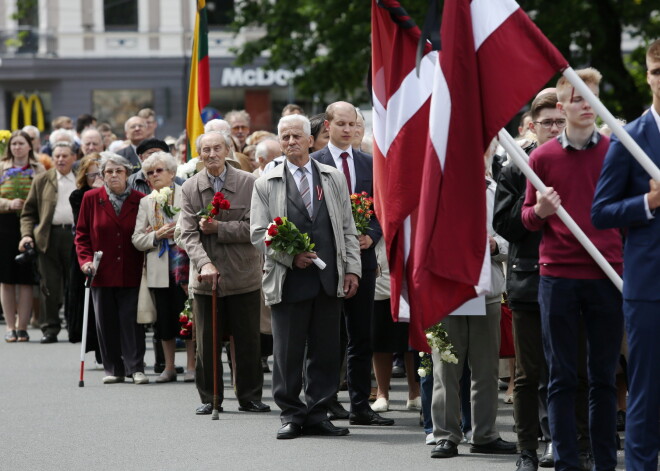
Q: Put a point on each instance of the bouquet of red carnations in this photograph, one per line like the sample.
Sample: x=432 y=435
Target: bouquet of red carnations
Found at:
x=186 y=321
x=361 y=205
x=213 y=208
x=283 y=236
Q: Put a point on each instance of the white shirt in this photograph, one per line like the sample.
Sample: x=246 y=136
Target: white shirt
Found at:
x=65 y=186
x=339 y=162
x=273 y=163
x=310 y=179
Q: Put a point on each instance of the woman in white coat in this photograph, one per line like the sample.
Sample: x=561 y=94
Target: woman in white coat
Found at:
x=167 y=265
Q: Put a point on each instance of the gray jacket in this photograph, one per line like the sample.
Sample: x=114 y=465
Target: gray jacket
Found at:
x=269 y=201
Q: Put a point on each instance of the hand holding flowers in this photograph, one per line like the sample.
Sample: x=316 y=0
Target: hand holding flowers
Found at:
x=283 y=236
x=213 y=208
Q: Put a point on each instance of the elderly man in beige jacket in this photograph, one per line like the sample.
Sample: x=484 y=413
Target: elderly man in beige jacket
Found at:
x=220 y=249
x=305 y=300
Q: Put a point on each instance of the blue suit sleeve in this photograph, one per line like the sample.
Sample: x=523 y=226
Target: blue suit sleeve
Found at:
x=615 y=204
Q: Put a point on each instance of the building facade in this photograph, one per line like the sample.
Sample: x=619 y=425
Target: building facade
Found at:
x=111 y=58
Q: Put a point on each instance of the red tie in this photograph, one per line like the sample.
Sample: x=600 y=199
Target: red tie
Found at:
x=347 y=172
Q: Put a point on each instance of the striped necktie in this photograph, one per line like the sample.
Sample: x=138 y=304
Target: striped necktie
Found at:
x=304 y=191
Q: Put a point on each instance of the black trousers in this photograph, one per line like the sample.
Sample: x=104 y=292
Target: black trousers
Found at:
x=121 y=338
x=358 y=311
x=238 y=315
x=54 y=266
x=313 y=323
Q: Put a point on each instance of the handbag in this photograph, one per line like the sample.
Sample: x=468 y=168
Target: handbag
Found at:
x=507 y=349
x=146 y=308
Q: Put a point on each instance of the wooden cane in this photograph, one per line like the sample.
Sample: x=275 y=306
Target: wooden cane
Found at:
x=214 y=308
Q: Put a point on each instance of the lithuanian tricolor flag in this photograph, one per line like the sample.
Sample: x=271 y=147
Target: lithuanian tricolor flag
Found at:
x=199 y=85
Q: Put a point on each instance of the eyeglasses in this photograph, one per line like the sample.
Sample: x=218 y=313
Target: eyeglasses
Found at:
x=93 y=175
x=156 y=170
x=547 y=123
x=115 y=171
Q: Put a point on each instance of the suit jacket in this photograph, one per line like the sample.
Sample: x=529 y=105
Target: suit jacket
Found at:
x=37 y=214
x=230 y=250
x=364 y=181
x=619 y=202
x=158 y=268
x=99 y=228
x=129 y=154
x=269 y=200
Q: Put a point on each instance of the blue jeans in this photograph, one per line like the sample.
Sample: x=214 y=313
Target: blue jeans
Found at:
x=599 y=303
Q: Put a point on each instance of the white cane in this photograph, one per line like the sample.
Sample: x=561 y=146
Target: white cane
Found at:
x=88 y=286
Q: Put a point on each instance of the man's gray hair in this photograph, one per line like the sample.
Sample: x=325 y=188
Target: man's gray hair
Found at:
x=217 y=125
x=262 y=148
x=295 y=119
x=66 y=144
x=107 y=157
x=160 y=157
x=225 y=136
x=60 y=135
x=34 y=129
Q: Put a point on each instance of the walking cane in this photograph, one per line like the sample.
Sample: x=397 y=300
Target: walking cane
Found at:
x=214 y=326
x=88 y=285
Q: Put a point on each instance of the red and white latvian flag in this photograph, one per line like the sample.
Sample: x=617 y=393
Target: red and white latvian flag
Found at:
x=493 y=59
x=401 y=102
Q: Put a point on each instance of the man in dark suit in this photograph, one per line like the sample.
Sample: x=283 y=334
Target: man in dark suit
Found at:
x=305 y=300
x=136 y=131
x=626 y=198
x=357 y=167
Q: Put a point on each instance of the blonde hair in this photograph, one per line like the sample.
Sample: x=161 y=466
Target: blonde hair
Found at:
x=590 y=76
x=653 y=51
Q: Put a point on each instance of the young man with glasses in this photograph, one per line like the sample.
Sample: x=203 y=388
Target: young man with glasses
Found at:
x=573 y=290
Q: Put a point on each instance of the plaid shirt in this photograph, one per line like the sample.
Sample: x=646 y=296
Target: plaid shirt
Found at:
x=566 y=144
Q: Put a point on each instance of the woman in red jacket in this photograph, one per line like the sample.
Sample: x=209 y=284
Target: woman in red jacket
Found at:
x=106 y=223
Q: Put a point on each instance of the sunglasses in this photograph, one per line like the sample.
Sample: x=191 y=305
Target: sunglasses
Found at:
x=156 y=170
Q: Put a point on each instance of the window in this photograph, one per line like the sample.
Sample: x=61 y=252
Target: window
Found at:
x=220 y=13
x=120 y=15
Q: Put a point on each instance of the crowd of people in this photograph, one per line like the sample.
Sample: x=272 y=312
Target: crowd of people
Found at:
x=173 y=233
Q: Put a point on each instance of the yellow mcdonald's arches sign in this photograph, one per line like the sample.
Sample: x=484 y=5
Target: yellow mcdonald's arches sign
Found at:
x=25 y=106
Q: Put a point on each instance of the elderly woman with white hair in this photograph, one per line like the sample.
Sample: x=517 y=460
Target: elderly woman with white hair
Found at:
x=167 y=264
x=106 y=223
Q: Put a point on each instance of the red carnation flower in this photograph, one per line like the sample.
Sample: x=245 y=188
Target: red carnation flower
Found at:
x=224 y=204
x=183 y=333
x=183 y=318
x=215 y=211
x=268 y=242
x=189 y=325
x=278 y=221
x=272 y=231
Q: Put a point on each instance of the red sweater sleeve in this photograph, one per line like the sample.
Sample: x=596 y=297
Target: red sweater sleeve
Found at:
x=83 y=241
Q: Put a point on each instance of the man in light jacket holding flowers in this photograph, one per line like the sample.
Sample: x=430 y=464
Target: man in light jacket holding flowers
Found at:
x=305 y=300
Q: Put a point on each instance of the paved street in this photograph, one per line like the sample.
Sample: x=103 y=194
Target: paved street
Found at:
x=48 y=423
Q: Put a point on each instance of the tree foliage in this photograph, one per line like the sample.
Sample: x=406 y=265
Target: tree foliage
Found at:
x=329 y=40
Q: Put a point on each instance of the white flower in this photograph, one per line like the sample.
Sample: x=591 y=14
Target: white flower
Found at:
x=268 y=237
x=153 y=195
x=421 y=372
x=166 y=190
x=421 y=354
x=429 y=336
x=187 y=170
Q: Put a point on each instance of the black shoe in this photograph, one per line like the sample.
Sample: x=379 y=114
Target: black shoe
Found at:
x=621 y=421
x=496 y=447
x=547 y=460
x=528 y=461
x=254 y=406
x=444 y=449
x=206 y=409
x=368 y=417
x=264 y=365
x=159 y=368
x=325 y=428
x=336 y=411
x=49 y=338
x=289 y=430
x=585 y=460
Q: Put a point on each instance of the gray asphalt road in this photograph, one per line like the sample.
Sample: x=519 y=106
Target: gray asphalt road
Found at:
x=48 y=423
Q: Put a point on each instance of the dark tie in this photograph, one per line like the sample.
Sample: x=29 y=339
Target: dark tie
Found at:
x=304 y=191
x=347 y=172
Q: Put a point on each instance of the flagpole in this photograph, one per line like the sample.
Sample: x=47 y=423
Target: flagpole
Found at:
x=519 y=158
x=630 y=144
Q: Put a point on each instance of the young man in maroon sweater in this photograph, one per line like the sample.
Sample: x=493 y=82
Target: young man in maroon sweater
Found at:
x=573 y=289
